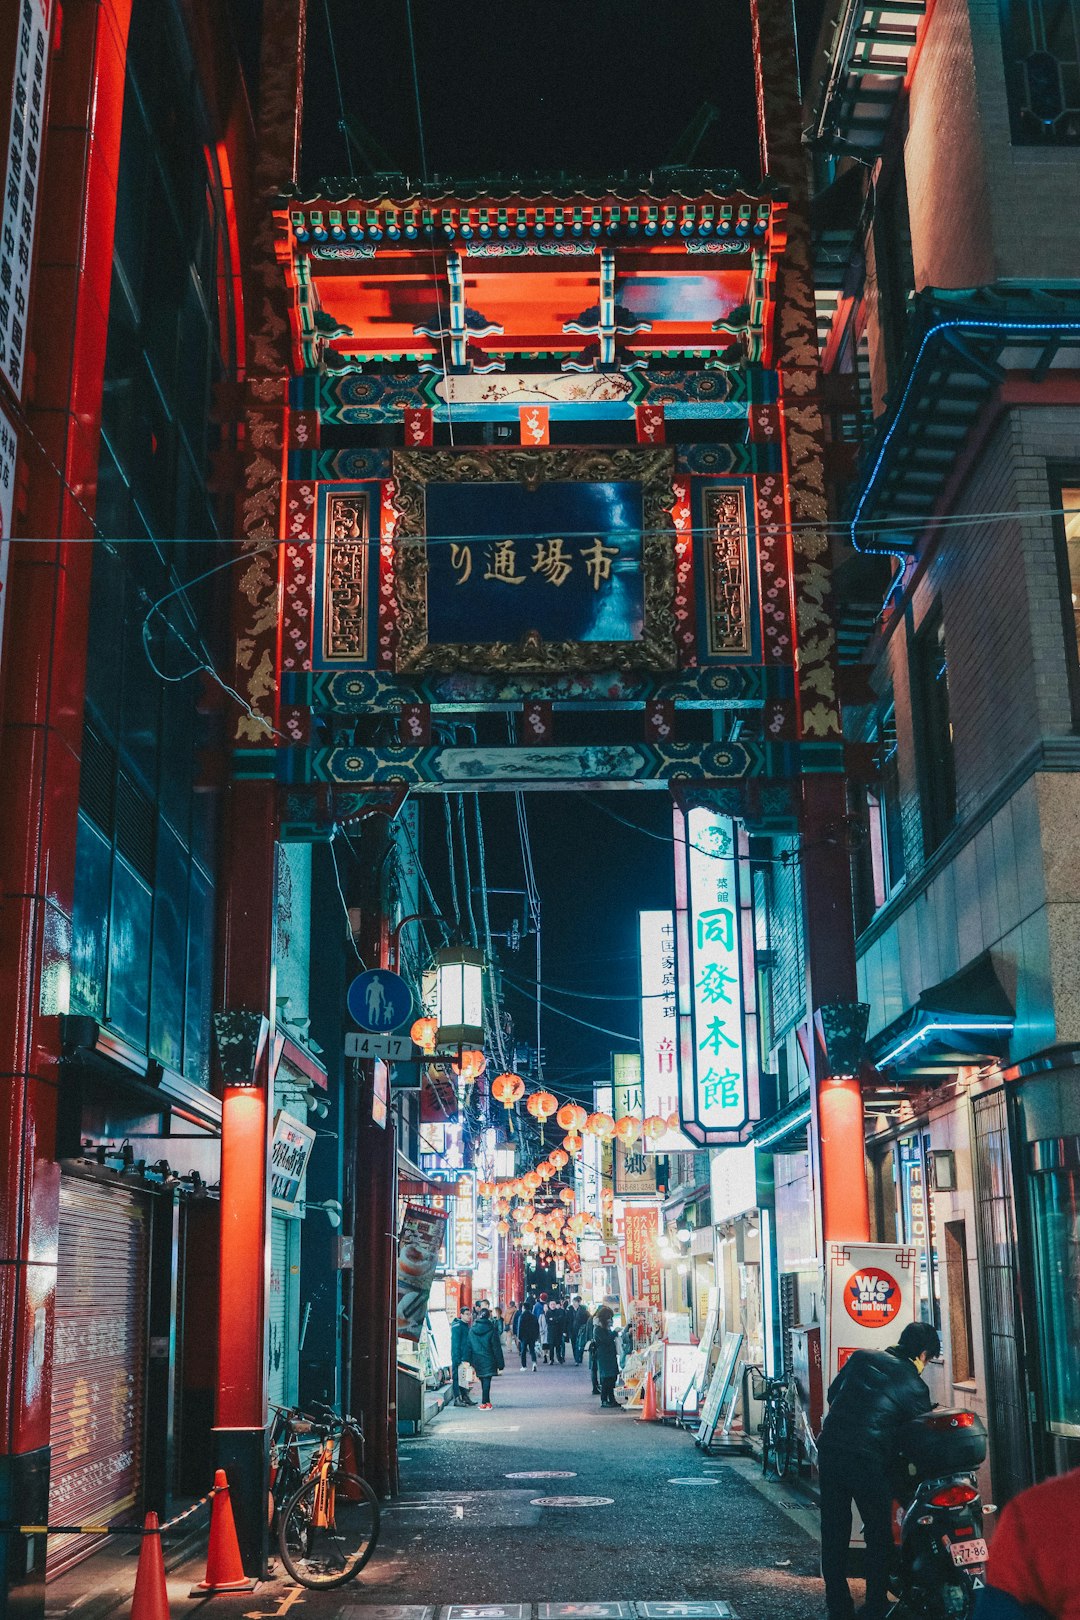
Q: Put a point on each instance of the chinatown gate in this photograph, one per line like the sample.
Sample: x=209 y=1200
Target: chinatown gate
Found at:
x=519 y=462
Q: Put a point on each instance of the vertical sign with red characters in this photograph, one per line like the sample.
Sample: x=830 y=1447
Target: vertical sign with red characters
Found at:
x=870 y=1292
x=644 y=1293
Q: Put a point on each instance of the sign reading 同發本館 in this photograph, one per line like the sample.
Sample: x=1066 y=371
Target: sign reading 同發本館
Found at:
x=869 y=1297
x=714 y=936
x=290 y=1151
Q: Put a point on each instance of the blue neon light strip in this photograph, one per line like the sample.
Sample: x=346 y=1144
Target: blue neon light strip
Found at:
x=1047 y=328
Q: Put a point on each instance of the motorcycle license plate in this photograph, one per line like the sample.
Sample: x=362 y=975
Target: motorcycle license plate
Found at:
x=968 y=1552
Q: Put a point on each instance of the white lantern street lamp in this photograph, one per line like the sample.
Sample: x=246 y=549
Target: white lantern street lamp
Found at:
x=460 y=996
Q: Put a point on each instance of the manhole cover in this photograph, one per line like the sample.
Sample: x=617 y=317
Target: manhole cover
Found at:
x=694 y=1480
x=573 y=1501
x=543 y=1473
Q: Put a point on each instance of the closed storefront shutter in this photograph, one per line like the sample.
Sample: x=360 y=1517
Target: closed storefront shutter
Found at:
x=279 y=1309
x=99 y=1362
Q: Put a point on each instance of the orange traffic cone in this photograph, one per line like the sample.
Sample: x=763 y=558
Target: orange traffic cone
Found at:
x=224 y=1570
x=648 y=1413
x=151 y=1599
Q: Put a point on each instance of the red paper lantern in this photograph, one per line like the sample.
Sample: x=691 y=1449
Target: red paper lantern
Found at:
x=423 y=1034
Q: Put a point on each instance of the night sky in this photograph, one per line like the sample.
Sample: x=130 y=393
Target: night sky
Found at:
x=588 y=87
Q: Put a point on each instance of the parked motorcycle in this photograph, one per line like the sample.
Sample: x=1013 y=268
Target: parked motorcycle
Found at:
x=942 y=1552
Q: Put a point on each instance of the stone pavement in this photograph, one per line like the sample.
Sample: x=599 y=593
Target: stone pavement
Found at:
x=550 y=1508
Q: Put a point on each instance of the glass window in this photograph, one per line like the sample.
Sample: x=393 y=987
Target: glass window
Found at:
x=1041 y=41
x=933 y=730
x=886 y=826
x=1055 y=1196
x=1069 y=570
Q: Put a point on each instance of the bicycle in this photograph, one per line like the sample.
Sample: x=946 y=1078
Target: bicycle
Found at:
x=779 y=1441
x=327 y=1516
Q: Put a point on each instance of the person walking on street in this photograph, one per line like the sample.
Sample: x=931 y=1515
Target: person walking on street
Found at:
x=578 y=1326
x=459 y=1352
x=607 y=1356
x=544 y=1324
x=590 y=1351
x=557 y=1330
x=485 y=1353
x=527 y=1332
x=871 y=1398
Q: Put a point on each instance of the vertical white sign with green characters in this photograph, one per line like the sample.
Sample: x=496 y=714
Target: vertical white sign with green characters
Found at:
x=718 y=1066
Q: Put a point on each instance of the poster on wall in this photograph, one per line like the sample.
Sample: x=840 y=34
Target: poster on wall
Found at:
x=419 y=1244
x=869 y=1297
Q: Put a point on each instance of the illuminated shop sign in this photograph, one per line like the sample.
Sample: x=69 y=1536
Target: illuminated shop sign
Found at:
x=660 y=1027
x=717 y=1026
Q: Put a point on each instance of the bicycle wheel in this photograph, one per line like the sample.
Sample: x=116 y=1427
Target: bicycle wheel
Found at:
x=329 y=1555
x=783 y=1442
x=766 y=1439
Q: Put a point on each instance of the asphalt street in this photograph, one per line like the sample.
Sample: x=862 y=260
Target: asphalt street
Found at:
x=548 y=1500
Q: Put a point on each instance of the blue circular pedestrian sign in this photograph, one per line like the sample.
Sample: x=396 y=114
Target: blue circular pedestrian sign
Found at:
x=380 y=1001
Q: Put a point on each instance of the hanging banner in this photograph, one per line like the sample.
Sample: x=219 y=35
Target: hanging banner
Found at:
x=438 y=1098
x=717 y=1024
x=419 y=1244
x=419 y=426
x=643 y=1286
x=870 y=1297
x=633 y=1170
x=659 y=1027
x=649 y=423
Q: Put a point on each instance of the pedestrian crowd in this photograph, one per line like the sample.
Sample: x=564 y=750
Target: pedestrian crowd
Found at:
x=542 y=1328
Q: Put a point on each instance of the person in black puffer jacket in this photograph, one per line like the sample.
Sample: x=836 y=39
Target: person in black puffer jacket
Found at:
x=871 y=1398
x=485 y=1353
x=607 y=1357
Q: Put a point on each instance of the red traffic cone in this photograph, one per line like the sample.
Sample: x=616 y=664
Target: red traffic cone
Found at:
x=224 y=1570
x=648 y=1413
x=151 y=1599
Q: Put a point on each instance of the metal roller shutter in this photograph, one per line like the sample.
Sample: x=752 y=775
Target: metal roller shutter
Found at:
x=279 y=1311
x=98 y=1362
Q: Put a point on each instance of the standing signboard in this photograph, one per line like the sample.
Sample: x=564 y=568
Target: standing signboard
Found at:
x=723 y=1375
x=419 y=1244
x=869 y=1297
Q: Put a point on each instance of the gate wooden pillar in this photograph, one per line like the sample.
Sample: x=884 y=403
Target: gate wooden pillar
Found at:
x=246 y=914
x=836 y=1099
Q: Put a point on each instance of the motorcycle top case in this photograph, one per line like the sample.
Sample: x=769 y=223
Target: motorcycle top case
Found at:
x=948 y=1440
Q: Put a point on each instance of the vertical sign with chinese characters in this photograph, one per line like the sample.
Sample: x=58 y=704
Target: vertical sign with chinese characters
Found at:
x=7 y=509
x=465 y=1221
x=659 y=1026
x=714 y=1003
x=21 y=184
x=645 y=1297
x=633 y=1170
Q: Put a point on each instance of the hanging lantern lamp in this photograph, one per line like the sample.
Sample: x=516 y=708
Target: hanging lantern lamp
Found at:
x=508 y=1089
x=627 y=1128
x=654 y=1128
x=571 y=1117
x=572 y=1144
x=601 y=1126
x=469 y=1064
x=674 y=1123
x=459 y=982
x=559 y=1158
x=532 y=1181
x=567 y=1195
x=423 y=1034
x=503 y=1228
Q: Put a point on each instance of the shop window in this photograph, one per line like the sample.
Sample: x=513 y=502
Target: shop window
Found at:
x=1068 y=551
x=1055 y=1197
x=1041 y=42
x=956 y=1274
x=885 y=827
x=933 y=730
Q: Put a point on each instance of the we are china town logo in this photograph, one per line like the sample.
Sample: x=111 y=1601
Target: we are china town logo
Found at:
x=872 y=1297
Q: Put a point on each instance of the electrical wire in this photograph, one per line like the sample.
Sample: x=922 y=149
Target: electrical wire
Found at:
x=342 y=121
x=344 y=905
x=451 y=860
x=618 y=1034
x=466 y=871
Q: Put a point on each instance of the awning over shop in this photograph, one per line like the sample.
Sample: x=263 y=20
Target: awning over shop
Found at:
x=413 y=1183
x=966 y=1019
